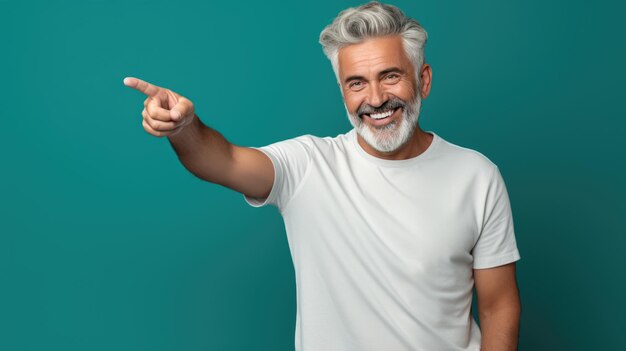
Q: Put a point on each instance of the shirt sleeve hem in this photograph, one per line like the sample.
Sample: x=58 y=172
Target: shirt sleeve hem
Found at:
x=257 y=201
x=490 y=262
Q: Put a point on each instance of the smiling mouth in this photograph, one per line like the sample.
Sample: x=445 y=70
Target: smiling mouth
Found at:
x=382 y=115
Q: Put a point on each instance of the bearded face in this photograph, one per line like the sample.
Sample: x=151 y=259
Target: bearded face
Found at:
x=380 y=91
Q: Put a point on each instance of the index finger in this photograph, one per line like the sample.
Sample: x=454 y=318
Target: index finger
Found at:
x=142 y=86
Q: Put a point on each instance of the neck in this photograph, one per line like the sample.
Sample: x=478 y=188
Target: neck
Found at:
x=416 y=145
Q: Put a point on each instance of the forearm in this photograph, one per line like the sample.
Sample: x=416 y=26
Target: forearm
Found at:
x=203 y=151
x=500 y=329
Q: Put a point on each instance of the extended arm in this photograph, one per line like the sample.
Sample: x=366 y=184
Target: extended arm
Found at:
x=203 y=150
x=209 y=156
x=498 y=307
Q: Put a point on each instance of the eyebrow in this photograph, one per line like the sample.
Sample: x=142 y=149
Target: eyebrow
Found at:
x=392 y=69
x=382 y=73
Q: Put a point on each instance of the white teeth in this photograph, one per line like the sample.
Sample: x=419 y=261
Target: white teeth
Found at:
x=381 y=115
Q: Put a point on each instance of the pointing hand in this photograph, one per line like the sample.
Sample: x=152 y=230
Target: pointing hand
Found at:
x=165 y=112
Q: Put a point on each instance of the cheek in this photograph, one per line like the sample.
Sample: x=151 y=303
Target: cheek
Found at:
x=352 y=102
x=404 y=90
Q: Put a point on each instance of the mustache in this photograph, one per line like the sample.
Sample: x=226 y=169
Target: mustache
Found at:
x=390 y=104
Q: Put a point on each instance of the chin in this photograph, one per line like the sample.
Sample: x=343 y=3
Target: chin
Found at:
x=389 y=140
x=392 y=136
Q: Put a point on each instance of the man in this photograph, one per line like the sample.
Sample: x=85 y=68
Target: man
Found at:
x=389 y=227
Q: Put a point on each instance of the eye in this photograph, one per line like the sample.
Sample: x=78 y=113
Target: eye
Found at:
x=392 y=78
x=355 y=85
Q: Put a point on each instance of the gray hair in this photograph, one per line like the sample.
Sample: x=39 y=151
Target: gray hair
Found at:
x=371 y=20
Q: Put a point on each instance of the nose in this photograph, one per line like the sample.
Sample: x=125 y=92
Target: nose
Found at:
x=377 y=95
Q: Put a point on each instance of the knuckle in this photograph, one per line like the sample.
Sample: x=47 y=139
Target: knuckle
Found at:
x=157 y=128
x=152 y=124
x=155 y=125
x=151 y=130
x=149 y=110
x=146 y=127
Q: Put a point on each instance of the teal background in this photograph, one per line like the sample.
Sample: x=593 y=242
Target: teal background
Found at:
x=108 y=243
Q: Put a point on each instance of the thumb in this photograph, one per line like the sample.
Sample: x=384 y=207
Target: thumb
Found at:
x=182 y=109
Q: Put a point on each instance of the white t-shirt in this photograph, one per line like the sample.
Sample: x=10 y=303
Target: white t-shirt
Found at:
x=383 y=250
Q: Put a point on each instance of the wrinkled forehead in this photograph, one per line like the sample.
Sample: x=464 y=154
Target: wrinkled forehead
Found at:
x=372 y=56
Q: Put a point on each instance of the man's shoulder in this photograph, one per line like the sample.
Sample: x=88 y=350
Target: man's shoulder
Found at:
x=307 y=146
x=466 y=158
x=314 y=142
x=339 y=138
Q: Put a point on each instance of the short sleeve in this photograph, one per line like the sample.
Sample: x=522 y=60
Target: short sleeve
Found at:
x=291 y=159
x=496 y=244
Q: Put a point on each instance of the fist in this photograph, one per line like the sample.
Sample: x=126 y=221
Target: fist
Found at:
x=165 y=112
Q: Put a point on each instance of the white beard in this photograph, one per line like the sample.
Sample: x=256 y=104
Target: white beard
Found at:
x=391 y=136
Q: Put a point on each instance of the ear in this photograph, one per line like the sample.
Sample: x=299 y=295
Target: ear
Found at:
x=426 y=77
